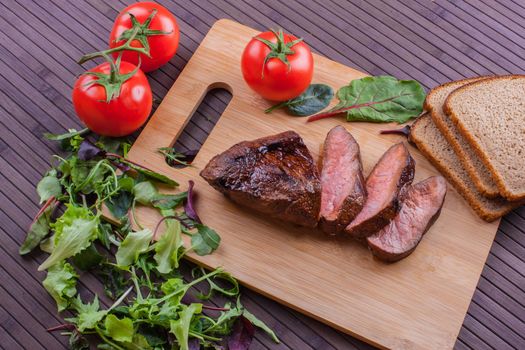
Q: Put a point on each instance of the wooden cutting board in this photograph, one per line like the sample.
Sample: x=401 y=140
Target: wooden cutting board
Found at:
x=417 y=303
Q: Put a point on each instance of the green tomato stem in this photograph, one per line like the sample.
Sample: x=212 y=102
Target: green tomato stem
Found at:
x=124 y=47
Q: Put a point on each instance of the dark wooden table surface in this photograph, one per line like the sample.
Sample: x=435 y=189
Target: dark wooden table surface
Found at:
x=431 y=41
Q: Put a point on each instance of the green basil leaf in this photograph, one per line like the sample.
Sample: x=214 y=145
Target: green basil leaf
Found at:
x=316 y=98
x=37 y=232
x=60 y=282
x=383 y=99
x=168 y=246
x=132 y=246
x=119 y=329
x=48 y=187
x=74 y=231
x=205 y=241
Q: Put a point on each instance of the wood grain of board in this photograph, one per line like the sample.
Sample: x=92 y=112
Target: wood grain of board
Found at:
x=417 y=303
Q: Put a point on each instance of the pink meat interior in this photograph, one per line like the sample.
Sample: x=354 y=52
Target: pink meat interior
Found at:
x=381 y=184
x=340 y=167
x=423 y=200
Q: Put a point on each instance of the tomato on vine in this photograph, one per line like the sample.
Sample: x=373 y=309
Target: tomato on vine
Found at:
x=114 y=98
x=158 y=34
x=277 y=66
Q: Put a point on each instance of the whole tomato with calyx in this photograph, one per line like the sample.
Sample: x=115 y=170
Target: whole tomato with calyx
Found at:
x=277 y=66
x=158 y=34
x=114 y=98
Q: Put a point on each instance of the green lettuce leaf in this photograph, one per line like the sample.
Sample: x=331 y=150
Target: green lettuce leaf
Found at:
x=168 y=246
x=60 y=282
x=49 y=187
x=74 y=232
x=146 y=193
x=88 y=315
x=181 y=327
x=119 y=329
x=132 y=246
x=37 y=232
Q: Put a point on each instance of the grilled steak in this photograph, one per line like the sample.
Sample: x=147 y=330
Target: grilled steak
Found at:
x=421 y=207
x=275 y=175
x=390 y=175
x=343 y=186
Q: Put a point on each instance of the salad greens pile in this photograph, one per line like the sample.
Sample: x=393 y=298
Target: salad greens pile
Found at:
x=152 y=304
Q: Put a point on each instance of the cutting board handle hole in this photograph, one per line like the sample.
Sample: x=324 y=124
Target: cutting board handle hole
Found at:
x=204 y=118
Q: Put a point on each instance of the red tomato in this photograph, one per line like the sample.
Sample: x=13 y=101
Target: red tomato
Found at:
x=162 y=46
x=265 y=70
x=124 y=113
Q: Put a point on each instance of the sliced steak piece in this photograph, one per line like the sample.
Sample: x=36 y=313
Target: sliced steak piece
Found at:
x=390 y=175
x=275 y=175
x=421 y=207
x=343 y=186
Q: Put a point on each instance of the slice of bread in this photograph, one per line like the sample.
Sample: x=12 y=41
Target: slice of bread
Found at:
x=475 y=167
x=439 y=152
x=490 y=114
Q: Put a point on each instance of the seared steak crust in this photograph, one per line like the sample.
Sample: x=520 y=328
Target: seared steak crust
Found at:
x=343 y=185
x=274 y=175
x=384 y=185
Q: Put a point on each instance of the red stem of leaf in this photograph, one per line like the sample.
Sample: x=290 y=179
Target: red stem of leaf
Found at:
x=61 y=327
x=166 y=218
x=49 y=202
x=405 y=131
x=338 y=111
x=342 y=110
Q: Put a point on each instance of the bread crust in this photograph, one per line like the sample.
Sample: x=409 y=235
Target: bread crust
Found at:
x=489 y=190
x=464 y=191
x=447 y=108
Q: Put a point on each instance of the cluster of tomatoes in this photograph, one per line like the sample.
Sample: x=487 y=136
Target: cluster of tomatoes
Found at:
x=115 y=99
